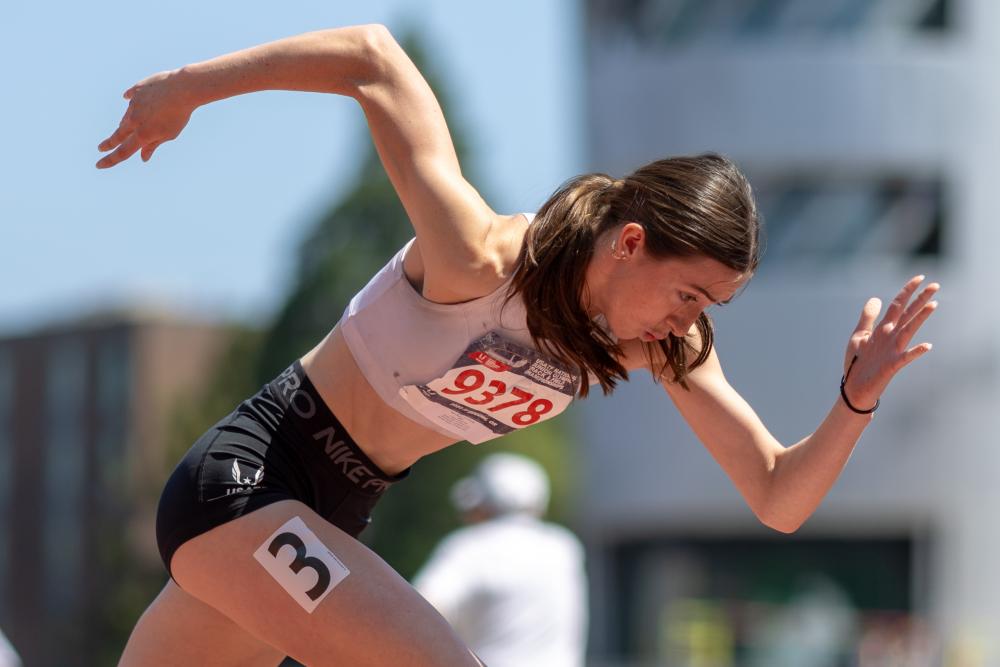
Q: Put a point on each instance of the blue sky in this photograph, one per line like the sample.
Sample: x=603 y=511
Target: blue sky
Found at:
x=208 y=226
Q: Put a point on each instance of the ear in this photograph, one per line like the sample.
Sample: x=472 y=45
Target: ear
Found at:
x=631 y=238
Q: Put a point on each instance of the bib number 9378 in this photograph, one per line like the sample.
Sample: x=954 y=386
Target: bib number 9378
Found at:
x=495 y=387
x=496 y=397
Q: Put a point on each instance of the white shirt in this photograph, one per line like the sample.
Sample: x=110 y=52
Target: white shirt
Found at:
x=8 y=656
x=514 y=589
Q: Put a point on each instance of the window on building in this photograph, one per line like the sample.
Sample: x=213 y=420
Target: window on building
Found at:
x=64 y=474
x=826 y=217
x=673 y=22
x=113 y=407
x=756 y=602
x=6 y=458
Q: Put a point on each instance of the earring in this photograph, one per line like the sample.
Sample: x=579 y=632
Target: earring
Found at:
x=614 y=251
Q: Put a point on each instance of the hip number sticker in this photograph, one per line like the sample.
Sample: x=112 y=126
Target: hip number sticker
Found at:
x=307 y=553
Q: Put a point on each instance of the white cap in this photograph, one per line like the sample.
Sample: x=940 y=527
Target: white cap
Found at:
x=503 y=484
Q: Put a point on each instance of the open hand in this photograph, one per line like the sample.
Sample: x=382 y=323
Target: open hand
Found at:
x=158 y=110
x=883 y=350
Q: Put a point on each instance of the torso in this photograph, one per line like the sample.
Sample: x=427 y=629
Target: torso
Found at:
x=391 y=440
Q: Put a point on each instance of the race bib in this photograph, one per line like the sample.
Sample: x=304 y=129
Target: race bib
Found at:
x=495 y=387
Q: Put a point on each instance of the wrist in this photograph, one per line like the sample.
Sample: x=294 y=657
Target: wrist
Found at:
x=861 y=404
x=198 y=84
x=865 y=407
x=189 y=85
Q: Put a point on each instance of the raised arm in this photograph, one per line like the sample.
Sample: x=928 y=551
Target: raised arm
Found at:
x=784 y=485
x=451 y=220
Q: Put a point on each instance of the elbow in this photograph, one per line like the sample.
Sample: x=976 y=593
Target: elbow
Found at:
x=356 y=57
x=375 y=37
x=777 y=510
x=782 y=519
x=781 y=524
x=377 y=47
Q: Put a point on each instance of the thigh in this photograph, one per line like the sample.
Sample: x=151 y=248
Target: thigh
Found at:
x=178 y=629
x=330 y=599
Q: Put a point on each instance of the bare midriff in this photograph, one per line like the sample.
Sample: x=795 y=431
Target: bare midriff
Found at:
x=393 y=442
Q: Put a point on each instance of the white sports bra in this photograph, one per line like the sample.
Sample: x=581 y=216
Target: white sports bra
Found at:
x=467 y=370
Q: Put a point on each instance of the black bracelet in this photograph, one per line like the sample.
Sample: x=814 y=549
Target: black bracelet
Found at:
x=843 y=394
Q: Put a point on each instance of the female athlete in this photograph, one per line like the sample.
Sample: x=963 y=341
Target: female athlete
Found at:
x=482 y=325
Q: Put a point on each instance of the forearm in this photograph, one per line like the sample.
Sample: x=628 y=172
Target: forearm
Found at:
x=804 y=473
x=338 y=61
x=784 y=486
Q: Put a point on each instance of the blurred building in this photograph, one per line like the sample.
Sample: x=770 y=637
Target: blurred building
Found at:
x=84 y=410
x=868 y=130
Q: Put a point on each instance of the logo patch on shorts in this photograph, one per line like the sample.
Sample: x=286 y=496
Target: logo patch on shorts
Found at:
x=238 y=475
x=218 y=479
x=244 y=483
x=303 y=565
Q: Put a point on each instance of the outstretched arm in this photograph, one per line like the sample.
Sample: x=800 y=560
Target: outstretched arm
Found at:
x=330 y=61
x=784 y=485
x=451 y=220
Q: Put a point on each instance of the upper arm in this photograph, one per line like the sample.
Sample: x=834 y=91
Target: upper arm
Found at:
x=452 y=222
x=728 y=428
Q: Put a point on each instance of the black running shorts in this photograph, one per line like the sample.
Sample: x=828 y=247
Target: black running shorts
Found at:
x=282 y=443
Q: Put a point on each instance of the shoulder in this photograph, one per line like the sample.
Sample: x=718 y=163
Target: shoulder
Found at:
x=457 y=545
x=553 y=543
x=477 y=271
x=566 y=538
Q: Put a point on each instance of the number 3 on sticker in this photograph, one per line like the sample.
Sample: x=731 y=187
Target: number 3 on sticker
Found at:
x=472 y=379
x=300 y=563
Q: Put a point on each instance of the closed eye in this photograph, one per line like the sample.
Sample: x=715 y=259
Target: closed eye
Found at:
x=711 y=299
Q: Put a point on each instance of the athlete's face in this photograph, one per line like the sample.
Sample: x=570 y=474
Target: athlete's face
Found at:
x=647 y=297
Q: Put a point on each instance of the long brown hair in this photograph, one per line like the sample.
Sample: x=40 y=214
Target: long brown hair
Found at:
x=700 y=205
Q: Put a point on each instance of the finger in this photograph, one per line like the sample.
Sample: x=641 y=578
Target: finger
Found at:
x=895 y=308
x=868 y=314
x=906 y=332
x=914 y=353
x=116 y=138
x=147 y=151
x=125 y=126
x=918 y=303
x=123 y=152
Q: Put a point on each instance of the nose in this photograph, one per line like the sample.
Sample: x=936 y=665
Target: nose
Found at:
x=679 y=323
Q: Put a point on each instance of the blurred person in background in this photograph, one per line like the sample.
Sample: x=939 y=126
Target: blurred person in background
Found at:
x=8 y=655
x=513 y=586
x=818 y=627
x=481 y=325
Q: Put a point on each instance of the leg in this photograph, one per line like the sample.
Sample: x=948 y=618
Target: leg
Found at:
x=178 y=629
x=371 y=617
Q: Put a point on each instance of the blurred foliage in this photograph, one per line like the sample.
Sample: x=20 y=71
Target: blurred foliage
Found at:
x=347 y=245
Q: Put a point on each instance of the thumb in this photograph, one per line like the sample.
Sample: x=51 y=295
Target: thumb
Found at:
x=868 y=314
x=147 y=151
